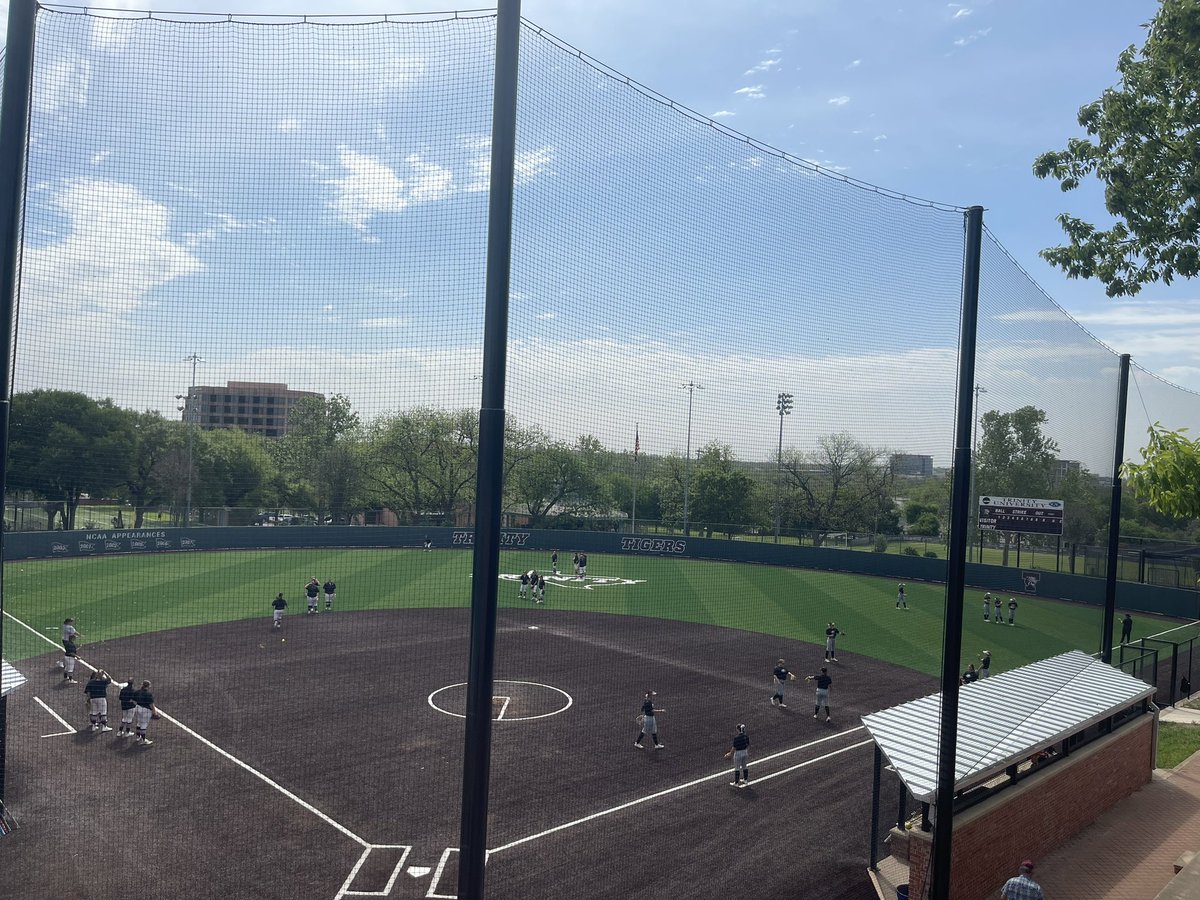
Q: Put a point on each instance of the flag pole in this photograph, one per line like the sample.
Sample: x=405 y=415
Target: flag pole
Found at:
x=637 y=475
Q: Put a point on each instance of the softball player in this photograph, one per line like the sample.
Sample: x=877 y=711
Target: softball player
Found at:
x=831 y=634
x=330 y=594
x=649 y=723
x=279 y=605
x=780 y=676
x=901 y=598
x=740 y=754
x=823 y=682
x=96 y=690
x=70 y=651
x=128 y=705
x=143 y=713
x=311 y=590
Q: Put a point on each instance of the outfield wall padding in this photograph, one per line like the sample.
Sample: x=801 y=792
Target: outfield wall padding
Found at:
x=1146 y=598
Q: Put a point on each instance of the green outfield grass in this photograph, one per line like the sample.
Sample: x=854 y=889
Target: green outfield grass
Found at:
x=116 y=596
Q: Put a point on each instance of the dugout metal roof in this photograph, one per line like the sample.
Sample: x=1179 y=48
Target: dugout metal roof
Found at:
x=10 y=678
x=1003 y=719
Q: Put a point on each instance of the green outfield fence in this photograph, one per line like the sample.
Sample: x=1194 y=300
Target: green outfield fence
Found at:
x=335 y=268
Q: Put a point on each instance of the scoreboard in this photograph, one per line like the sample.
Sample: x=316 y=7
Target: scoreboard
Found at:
x=1021 y=514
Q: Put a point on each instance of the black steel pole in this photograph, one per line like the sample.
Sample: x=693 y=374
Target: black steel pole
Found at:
x=490 y=470
x=14 y=130
x=878 y=769
x=956 y=560
x=1114 y=516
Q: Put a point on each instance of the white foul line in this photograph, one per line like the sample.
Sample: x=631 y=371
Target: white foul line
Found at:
x=229 y=756
x=65 y=723
x=724 y=773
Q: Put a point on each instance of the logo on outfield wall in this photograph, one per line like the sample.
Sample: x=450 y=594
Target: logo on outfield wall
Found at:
x=112 y=545
x=507 y=538
x=587 y=583
x=187 y=542
x=652 y=545
x=86 y=546
x=1030 y=580
x=58 y=548
x=163 y=545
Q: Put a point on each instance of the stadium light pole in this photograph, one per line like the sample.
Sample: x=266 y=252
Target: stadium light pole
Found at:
x=189 y=410
x=979 y=389
x=783 y=404
x=691 y=387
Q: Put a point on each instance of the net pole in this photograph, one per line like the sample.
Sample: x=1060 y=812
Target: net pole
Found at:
x=956 y=559
x=1114 y=516
x=490 y=467
x=14 y=131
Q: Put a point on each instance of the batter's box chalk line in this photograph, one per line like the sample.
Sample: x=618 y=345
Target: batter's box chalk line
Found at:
x=435 y=888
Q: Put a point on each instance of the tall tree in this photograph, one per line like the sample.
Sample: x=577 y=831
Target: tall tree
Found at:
x=321 y=453
x=153 y=440
x=844 y=485
x=1142 y=145
x=62 y=445
x=720 y=492
x=1168 y=478
x=423 y=461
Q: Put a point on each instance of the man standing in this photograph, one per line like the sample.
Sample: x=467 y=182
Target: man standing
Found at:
x=330 y=594
x=68 y=632
x=985 y=664
x=1012 y=611
x=70 y=652
x=780 y=676
x=999 y=618
x=987 y=606
x=144 y=712
x=128 y=706
x=1023 y=887
x=740 y=754
x=575 y=562
x=1127 y=629
x=541 y=589
x=901 y=599
x=831 y=635
x=553 y=562
x=311 y=590
x=524 y=585
x=583 y=565
x=823 y=682
x=279 y=605
x=649 y=722
x=428 y=544
x=96 y=690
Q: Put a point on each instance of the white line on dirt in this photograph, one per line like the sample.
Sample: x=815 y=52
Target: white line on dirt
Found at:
x=70 y=728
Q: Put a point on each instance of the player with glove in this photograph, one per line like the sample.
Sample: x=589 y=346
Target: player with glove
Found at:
x=740 y=754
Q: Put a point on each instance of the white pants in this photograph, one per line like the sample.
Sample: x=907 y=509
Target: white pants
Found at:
x=98 y=706
x=141 y=718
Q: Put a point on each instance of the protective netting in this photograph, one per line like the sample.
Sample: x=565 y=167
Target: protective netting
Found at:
x=251 y=299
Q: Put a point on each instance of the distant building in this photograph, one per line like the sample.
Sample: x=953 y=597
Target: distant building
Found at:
x=912 y=464
x=1063 y=468
x=255 y=406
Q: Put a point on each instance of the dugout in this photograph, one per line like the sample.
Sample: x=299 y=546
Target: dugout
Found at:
x=1042 y=751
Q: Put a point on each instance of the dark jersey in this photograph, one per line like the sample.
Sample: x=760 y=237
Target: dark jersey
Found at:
x=524 y=578
x=741 y=741
x=583 y=559
x=969 y=676
x=71 y=648
x=1012 y=604
x=823 y=682
x=648 y=708
x=554 y=557
x=330 y=587
x=312 y=589
x=279 y=603
x=97 y=687
x=143 y=698
x=126 y=697
x=986 y=664
x=832 y=633
x=541 y=582
x=780 y=673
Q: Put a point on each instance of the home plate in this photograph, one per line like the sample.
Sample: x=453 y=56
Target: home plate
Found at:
x=419 y=871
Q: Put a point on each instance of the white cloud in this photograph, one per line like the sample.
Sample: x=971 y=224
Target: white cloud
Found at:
x=63 y=83
x=972 y=37
x=962 y=13
x=98 y=158
x=854 y=64
x=288 y=125
x=385 y=322
x=879 y=137
x=764 y=66
x=839 y=101
x=722 y=114
x=754 y=92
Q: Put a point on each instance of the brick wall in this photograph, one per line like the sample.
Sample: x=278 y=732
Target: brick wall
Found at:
x=1040 y=814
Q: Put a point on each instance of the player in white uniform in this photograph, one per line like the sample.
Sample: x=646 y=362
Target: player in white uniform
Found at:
x=68 y=633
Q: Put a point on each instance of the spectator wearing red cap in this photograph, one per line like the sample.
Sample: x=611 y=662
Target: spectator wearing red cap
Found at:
x=1023 y=887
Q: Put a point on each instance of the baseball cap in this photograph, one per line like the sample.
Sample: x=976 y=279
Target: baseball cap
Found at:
x=1027 y=864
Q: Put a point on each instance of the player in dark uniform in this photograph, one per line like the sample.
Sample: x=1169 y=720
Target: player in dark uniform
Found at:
x=740 y=754
x=96 y=690
x=649 y=722
x=901 y=598
x=987 y=606
x=311 y=590
x=554 y=562
x=999 y=618
x=1127 y=629
x=128 y=689
x=823 y=682
x=1012 y=611
x=780 y=676
x=970 y=676
x=143 y=712
x=583 y=565
x=541 y=589
x=524 y=585
x=831 y=635
x=428 y=543
x=330 y=594
x=575 y=561
x=70 y=652
x=279 y=605
x=985 y=664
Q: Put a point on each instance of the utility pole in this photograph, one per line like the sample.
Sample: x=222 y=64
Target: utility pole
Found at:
x=691 y=387
x=190 y=410
x=784 y=406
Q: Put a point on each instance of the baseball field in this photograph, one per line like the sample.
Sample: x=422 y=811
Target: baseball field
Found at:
x=323 y=759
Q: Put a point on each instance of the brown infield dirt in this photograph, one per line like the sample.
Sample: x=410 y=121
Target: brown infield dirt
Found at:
x=324 y=760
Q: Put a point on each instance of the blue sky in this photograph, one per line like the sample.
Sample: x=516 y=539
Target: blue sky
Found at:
x=948 y=102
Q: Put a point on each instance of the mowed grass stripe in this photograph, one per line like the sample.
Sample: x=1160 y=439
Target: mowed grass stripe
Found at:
x=122 y=595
